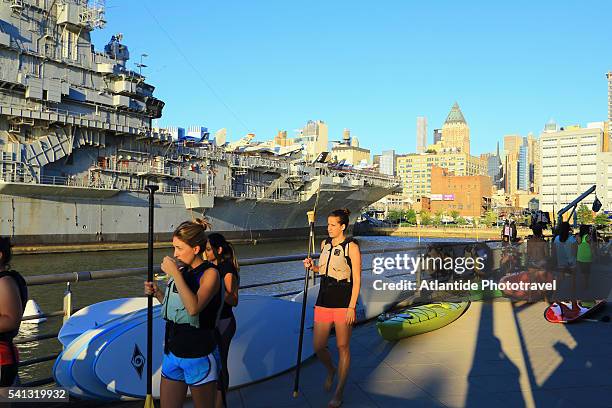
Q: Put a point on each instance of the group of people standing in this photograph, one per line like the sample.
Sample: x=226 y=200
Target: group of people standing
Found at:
x=202 y=289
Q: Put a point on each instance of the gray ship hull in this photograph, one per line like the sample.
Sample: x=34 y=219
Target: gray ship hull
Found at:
x=123 y=217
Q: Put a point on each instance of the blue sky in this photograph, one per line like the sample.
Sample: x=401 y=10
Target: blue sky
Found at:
x=372 y=67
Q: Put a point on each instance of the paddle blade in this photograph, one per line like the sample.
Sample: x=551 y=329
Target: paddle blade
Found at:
x=149 y=402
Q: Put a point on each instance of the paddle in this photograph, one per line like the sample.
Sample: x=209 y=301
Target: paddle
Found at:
x=149 y=400
x=311 y=222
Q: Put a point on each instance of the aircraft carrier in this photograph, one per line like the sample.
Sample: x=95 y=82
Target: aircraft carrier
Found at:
x=77 y=148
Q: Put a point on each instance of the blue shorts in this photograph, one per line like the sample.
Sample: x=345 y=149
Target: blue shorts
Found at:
x=191 y=371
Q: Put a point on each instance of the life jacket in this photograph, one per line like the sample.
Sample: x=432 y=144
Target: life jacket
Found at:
x=173 y=308
x=335 y=261
x=23 y=293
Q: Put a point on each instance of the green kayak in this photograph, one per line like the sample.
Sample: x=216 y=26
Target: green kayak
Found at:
x=419 y=319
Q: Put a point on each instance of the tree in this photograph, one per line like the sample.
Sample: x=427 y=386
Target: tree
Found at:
x=394 y=215
x=410 y=217
x=602 y=219
x=585 y=215
x=437 y=219
x=461 y=221
x=454 y=215
x=426 y=218
x=490 y=218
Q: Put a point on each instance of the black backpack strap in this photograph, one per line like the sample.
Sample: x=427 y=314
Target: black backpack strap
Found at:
x=344 y=245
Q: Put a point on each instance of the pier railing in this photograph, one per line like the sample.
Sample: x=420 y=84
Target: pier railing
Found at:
x=83 y=276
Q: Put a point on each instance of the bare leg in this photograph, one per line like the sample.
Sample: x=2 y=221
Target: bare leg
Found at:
x=321 y=337
x=203 y=396
x=172 y=393
x=343 y=339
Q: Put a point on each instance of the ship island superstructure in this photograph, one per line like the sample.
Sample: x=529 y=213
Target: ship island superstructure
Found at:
x=77 y=147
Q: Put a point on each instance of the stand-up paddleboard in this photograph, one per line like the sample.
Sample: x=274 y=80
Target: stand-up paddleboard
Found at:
x=120 y=362
x=62 y=367
x=265 y=344
x=566 y=312
x=370 y=304
x=81 y=367
x=98 y=314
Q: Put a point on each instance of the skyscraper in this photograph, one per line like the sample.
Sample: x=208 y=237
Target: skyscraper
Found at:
x=387 y=162
x=609 y=76
x=523 y=166
x=437 y=136
x=421 y=134
x=455 y=131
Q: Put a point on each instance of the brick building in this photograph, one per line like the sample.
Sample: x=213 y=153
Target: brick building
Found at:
x=469 y=195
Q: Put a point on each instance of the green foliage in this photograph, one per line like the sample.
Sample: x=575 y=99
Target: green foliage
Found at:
x=461 y=221
x=410 y=216
x=489 y=218
x=394 y=215
x=426 y=218
x=585 y=215
x=454 y=214
x=602 y=219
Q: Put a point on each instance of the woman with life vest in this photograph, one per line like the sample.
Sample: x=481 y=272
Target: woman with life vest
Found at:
x=340 y=270
x=191 y=305
x=13 y=298
x=222 y=252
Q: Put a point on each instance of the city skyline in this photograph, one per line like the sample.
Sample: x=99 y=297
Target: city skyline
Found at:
x=267 y=67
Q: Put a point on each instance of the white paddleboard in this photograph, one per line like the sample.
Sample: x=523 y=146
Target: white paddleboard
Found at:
x=98 y=314
x=62 y=367
x=265 y=344
x=81 y=367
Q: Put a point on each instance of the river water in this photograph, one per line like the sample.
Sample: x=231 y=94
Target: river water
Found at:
x=50 y=297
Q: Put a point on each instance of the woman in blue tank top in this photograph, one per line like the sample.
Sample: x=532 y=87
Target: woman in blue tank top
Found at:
x=191 y=306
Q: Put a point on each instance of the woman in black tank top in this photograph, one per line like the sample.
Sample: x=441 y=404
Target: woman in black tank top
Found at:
x=340 y=269
x=190 y=352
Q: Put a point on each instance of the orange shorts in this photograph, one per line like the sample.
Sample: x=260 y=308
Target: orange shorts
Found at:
x=329 y=314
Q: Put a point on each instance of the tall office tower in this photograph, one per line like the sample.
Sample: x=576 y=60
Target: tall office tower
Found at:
x=512 y=143
x=437 y=136
x=571 y=161
x=455 y=131
x=511 y=172
x=609 y=76
x=387 y=162
x=314 y=138
x=523 y=167
x=421 y=134
x=493 y=167
x=535 y=165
